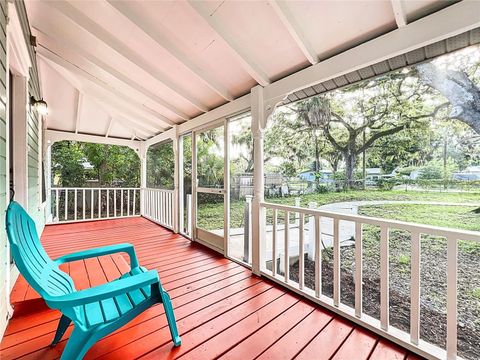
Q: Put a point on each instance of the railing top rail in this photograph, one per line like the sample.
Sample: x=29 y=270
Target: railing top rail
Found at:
x=157 y=189
x=95 y=188
x=426 y=229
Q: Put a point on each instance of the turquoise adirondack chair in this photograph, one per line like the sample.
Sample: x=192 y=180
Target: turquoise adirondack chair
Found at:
x=97 y=311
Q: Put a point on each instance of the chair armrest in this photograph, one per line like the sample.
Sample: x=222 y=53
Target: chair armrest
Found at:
x=105 y=291
x=100 y=251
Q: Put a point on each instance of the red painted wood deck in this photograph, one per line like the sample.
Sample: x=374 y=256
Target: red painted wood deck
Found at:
x=222 y=310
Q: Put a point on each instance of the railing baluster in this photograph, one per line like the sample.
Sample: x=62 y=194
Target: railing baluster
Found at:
x=336 y=262
x=121 y=202
x=156 y=210
x=160 y=206
x=301 y=248
x=358 y=269
x=115 y=202
x=318 y=258
x=66 y=204
x=75 y=205
x=163 y=205
x=149 y=212
x=384 y=277
x=108 y=203
x=287 y=236
x=149 y=208
x=134 y=200
x=128 y=202
x=99 y=203
x=452 y=252
x=91 y=204
x=415 y=289
x=83 y=204
x=274 y=243
x=167 y=208
x=57 y=204
x=170 y=209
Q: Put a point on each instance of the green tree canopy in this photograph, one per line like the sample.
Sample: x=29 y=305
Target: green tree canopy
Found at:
x=73 y=163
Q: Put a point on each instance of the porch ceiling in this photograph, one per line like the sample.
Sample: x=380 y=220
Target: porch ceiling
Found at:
x=132 y=70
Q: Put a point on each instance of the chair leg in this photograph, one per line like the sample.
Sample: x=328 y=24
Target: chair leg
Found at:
x=77 y=345
x=62 y=327
x=172 y=324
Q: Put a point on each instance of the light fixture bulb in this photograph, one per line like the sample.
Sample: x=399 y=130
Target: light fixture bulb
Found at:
x=41 y=107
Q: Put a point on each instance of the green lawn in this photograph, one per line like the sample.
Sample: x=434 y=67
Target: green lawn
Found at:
x=211 y=215
x=399 y=195
x=459 y=217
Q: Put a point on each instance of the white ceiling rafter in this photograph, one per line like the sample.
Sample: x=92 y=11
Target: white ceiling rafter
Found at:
x=248 y=64
x=294 y=30
x=123 y=115
x=399 y=12
x=112 y=42
x=127 y=119
x=109 y=127
x=44 y=40
x=167 y=45
x=128 y=124
x=78 y=113
x=141 y=110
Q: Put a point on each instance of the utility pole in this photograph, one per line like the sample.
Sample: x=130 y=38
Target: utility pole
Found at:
x=445 y=145
x=364 y=161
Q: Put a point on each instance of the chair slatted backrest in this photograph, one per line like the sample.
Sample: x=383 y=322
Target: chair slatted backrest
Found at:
x=33 y=262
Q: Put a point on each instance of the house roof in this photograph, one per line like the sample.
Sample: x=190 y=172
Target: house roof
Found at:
x=134 y=69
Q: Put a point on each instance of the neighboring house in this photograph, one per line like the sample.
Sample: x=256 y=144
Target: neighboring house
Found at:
x=471 y=173
x=373 y=175
x=325 y=176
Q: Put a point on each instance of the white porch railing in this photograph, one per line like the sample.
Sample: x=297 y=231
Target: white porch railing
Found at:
x=158 y=206
x=86 y=204
x=411 y=339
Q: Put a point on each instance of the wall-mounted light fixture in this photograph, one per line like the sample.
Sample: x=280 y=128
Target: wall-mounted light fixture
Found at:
x=40 y=105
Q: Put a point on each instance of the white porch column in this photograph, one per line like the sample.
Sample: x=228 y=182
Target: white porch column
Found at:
x=258 y=213
x=176 y=180
x=143 y=175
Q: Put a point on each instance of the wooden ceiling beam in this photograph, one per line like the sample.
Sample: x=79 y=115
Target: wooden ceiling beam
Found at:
x=162 y=41
x=112 y=42
x=124 y=103
x=290 y=23
x=47 y=41
x=399 y=12
x=242 y=57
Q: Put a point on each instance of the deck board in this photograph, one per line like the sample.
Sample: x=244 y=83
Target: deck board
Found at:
x=222 y=310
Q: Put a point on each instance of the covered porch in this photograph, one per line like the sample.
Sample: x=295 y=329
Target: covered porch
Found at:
x=222 y=309
x=248 y=280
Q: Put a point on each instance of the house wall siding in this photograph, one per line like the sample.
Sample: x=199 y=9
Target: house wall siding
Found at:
x=4 y=256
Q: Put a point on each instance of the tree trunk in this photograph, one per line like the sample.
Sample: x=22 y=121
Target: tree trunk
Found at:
x=350 y=162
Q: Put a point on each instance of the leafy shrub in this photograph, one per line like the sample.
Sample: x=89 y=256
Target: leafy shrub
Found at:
x=322 y=189
x=386 y=184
